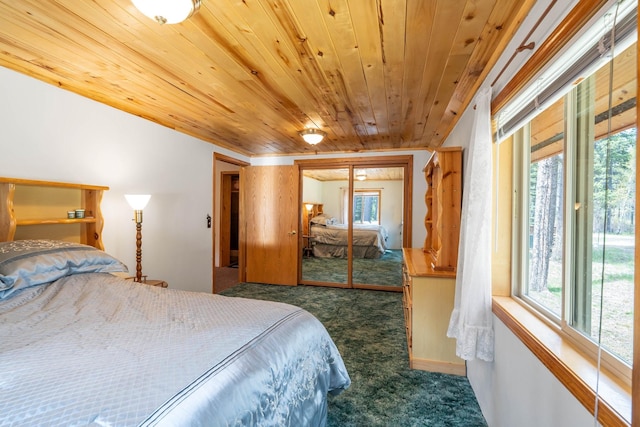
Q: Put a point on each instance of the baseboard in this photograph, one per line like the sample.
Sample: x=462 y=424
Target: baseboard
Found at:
x=439 y=366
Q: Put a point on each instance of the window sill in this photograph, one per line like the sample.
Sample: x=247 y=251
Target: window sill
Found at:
x=570 y=366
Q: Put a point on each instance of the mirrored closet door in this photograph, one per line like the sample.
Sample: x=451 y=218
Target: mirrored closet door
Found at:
x=377 y=221
x=354 y=221
x=325 y=235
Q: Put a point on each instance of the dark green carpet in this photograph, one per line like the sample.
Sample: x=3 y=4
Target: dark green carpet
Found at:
x=368 y=328
x=386 y=270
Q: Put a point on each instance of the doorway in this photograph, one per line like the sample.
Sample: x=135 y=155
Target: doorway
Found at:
x=227 y=191
x=229 y=219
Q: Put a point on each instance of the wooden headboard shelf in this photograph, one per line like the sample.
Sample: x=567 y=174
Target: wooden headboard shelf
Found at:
x=31 y=208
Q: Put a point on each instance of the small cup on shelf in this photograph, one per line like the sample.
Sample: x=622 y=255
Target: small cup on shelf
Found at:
x=71 y=214
x=79 y=213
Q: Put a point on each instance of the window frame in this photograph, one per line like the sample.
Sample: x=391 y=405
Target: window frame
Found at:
x=618 y=404
x=520 y=232
x=362 y=192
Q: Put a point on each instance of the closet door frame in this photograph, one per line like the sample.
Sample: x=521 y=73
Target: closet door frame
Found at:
x=352 y=163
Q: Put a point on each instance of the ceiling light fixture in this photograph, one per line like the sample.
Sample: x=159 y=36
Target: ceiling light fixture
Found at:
x=313 y=136
x=167 y=11
x=361 y=175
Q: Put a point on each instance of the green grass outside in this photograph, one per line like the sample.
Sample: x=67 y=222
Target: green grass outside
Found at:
x=617 y=302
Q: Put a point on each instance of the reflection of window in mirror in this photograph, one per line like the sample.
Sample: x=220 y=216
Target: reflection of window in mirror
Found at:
x=366 y=206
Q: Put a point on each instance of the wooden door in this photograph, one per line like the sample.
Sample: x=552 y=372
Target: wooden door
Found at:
x=269 y=224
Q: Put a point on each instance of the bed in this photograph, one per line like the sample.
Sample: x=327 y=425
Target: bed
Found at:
x=330 y=240
x=82 y=346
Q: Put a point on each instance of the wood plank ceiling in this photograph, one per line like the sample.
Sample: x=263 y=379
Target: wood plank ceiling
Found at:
x=371 y=174
x=249 y=75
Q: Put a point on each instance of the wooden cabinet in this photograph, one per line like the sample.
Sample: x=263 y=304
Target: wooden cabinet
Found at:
x=33 y=209
x=428 y=296
x=443 y=198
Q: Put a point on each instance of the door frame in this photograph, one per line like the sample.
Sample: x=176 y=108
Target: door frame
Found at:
x=351 y=163
x=233 y=161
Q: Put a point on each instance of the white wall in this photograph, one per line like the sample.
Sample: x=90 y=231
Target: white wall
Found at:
x=311 y=190
x=52 y=134
x=518 y=390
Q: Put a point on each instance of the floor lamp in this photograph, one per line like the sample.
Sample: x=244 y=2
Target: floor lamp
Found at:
x=138 y=202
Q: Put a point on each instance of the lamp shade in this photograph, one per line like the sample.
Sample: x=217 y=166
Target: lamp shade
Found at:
x=167 y=11
x=137 y=201
x=309 y=206
x=313 y=136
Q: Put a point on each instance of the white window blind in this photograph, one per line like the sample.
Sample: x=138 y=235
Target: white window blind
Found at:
x=579 y=59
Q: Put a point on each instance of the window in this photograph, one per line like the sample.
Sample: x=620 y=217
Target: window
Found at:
x=576 y=169
x=366 y=206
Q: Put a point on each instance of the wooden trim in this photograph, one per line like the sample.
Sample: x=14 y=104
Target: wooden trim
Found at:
x=438 y=366
x=563 y=361
x=635 y=375
x=568 y=28
x=377 y=287
x=20 y=181
x=224 y=220
x=345 y=162
x=408 y=195
x=7 y=220
x=328 y=284
x=227 y=159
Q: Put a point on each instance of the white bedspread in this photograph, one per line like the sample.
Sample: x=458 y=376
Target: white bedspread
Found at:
x=93 y=349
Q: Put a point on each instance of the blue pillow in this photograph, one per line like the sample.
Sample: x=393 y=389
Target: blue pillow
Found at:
x=25 y=263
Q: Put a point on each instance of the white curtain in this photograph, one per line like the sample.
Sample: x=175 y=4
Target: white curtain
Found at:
x=471 y=322
x=344 y=205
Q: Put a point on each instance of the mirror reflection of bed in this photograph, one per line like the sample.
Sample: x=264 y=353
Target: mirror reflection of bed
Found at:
x=374 y=212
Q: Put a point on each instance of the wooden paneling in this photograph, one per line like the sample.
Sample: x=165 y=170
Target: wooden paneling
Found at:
x=635 y=395
x=248 y=76
x=373 y=174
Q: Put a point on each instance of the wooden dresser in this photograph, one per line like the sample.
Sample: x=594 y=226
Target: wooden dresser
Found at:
x=428 y=302
x=429 y=273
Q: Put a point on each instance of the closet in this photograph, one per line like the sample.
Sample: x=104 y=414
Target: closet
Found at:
x=366 y=207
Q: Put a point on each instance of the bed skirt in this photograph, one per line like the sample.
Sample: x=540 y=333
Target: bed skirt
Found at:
x=322 y=250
